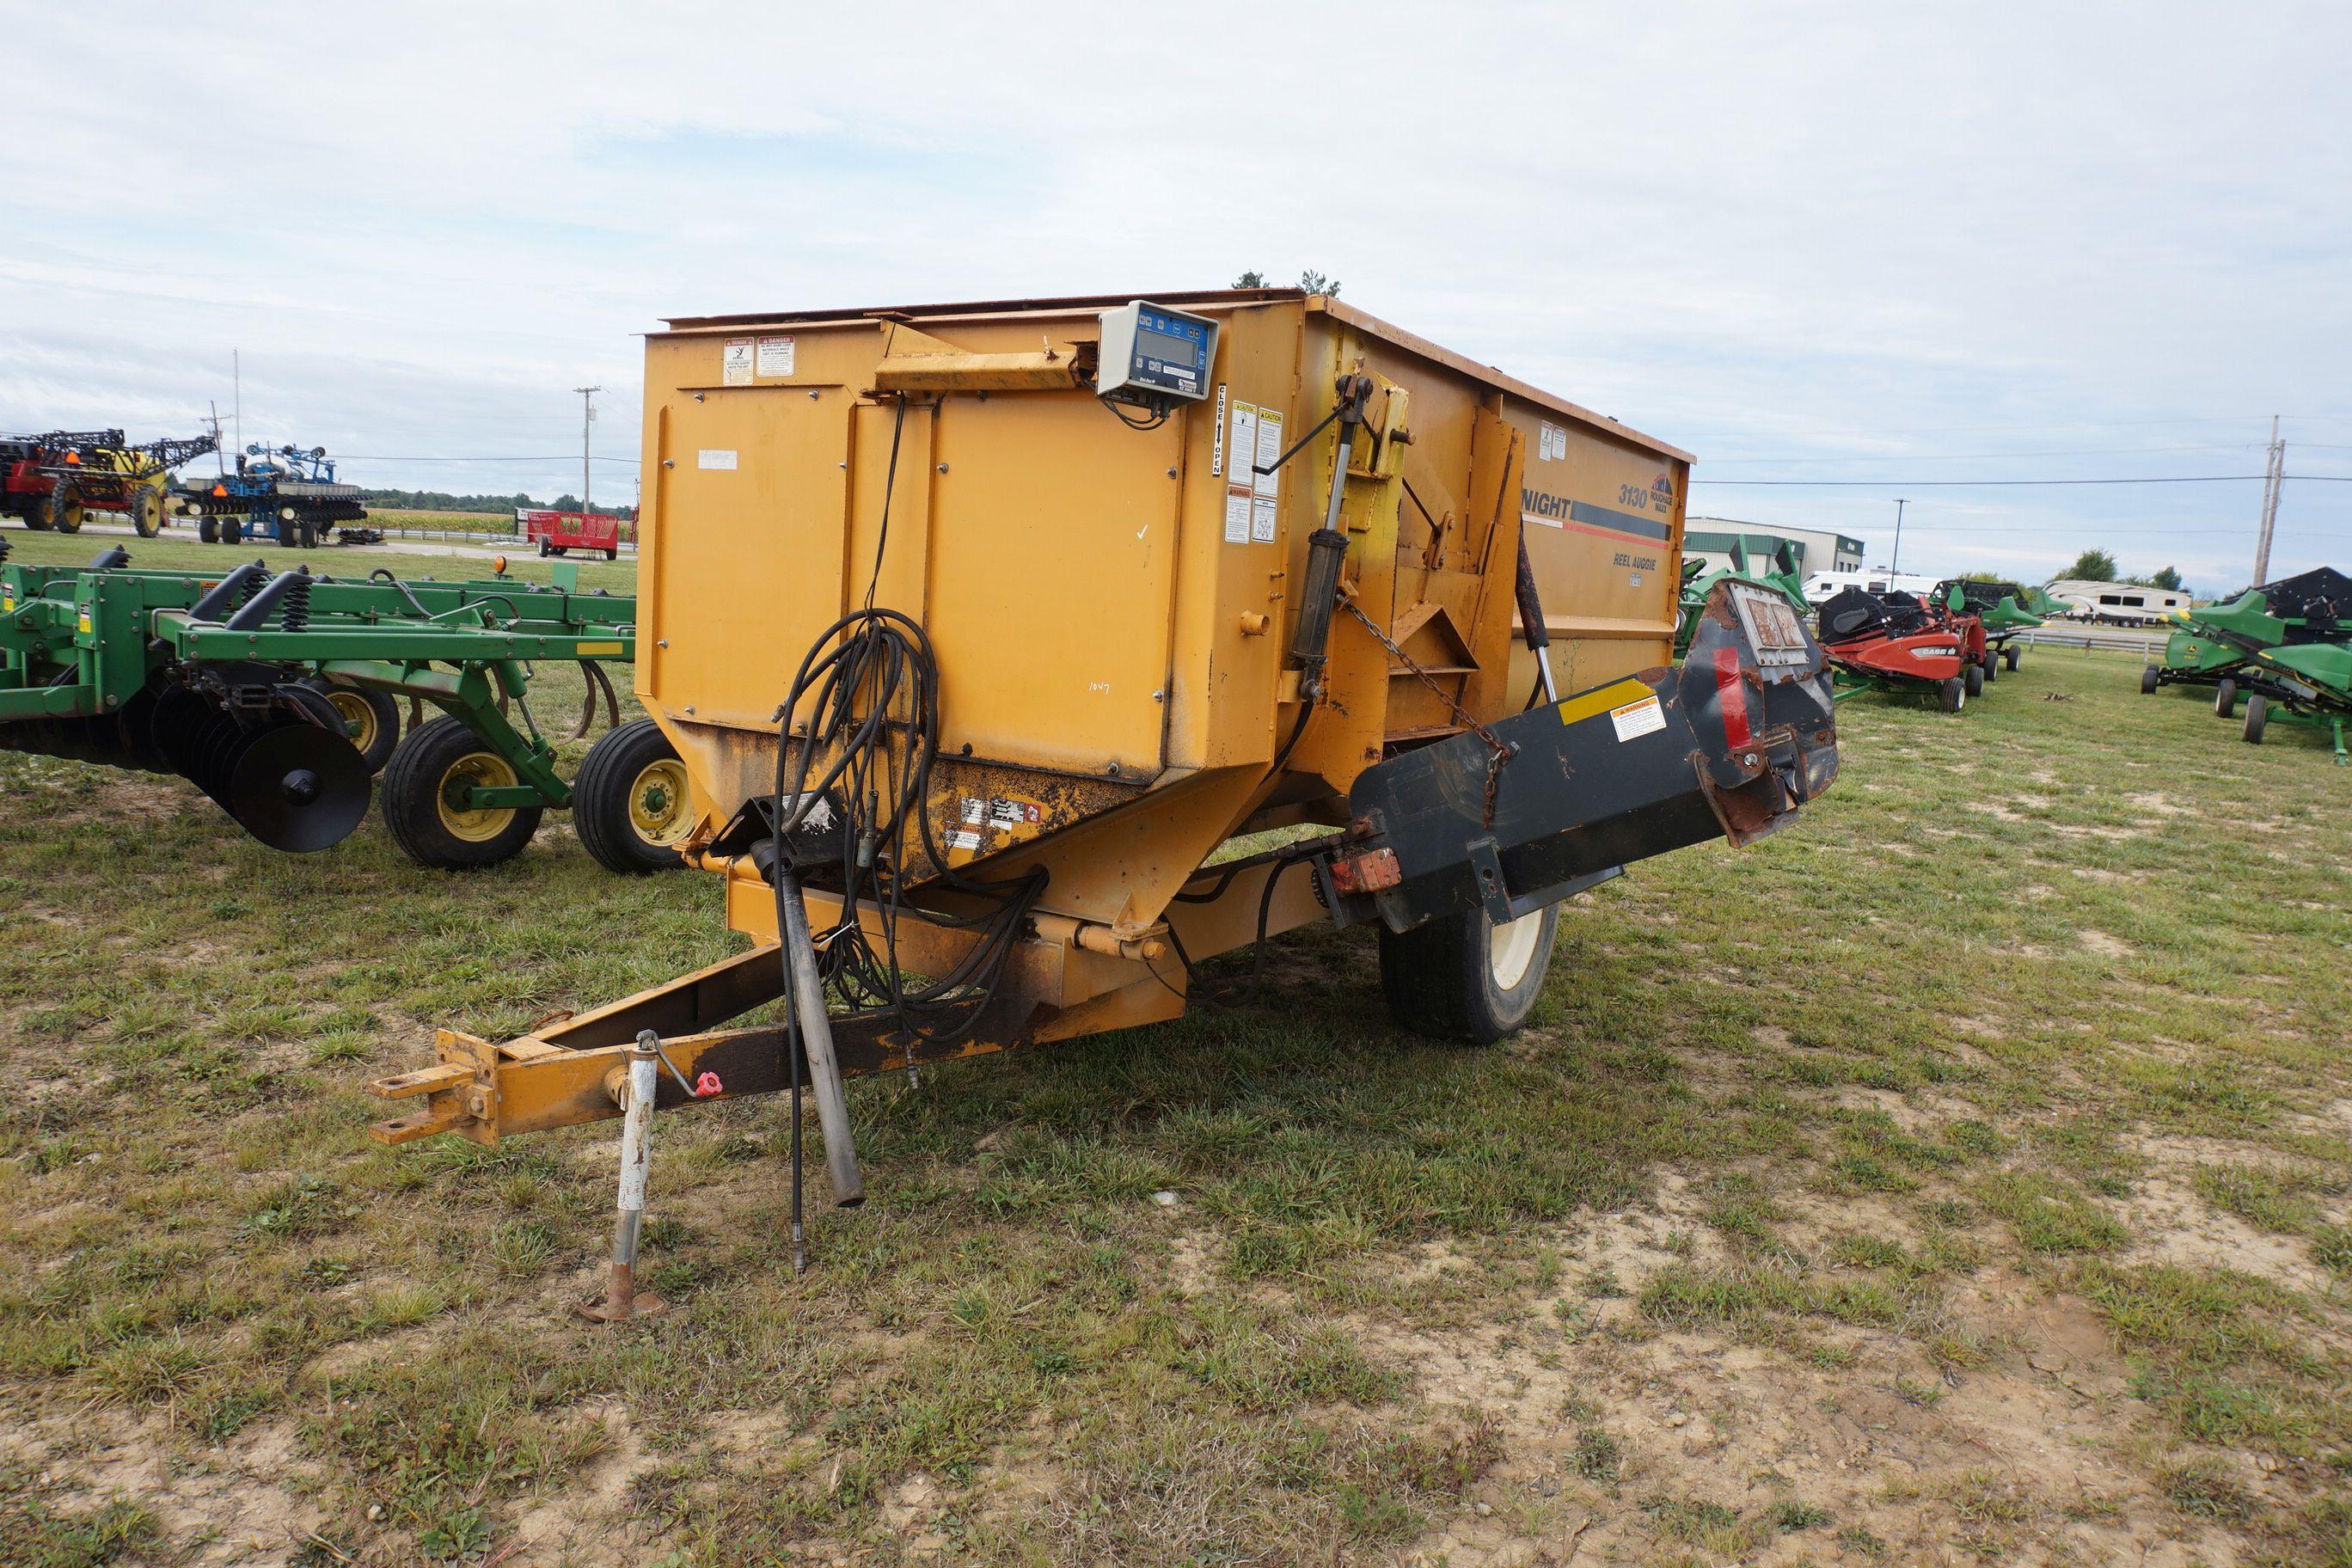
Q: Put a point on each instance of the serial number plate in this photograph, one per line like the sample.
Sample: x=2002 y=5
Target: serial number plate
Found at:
x=1774 y=628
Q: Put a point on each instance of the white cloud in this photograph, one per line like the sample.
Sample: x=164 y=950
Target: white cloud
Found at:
x=1788 y=231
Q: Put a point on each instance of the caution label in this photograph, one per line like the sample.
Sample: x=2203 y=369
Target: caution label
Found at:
x=1642 y=718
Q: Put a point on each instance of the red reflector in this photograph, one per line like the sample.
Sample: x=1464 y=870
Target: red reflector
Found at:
x=1731 y=698
x=1369 y=873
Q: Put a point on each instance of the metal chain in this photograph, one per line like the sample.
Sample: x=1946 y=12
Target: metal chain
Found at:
x=1498 y=751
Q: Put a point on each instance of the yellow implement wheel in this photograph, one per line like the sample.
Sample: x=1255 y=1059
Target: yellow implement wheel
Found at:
x=371 y=718
x=478 y=770
x=425 y=790
x=358 y=717
x=631 y=803
x=659 y=808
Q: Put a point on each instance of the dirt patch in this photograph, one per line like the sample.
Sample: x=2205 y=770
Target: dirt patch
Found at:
x=2175 y=1226
x=1623 y=1448
x=240 y=1502
x=589 y=1517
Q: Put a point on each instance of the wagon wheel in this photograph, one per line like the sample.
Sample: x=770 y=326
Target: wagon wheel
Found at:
x=597 y=680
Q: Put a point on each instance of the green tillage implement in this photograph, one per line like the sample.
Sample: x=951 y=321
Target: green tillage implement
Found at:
x=276 y=695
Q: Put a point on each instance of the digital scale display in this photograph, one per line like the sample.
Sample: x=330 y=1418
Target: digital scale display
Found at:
x=1152 y=355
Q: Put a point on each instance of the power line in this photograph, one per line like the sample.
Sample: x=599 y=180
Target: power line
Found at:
x=1966 y=484
x=1965 y=457
x=2076 y=425
x=383 y=458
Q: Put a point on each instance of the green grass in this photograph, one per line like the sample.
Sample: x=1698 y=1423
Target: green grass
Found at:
x=1933 y=1035
x=179 y=549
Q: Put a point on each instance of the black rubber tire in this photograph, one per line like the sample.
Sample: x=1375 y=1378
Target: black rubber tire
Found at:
x=2149 y=681
x=1439 y=982
x=306 y=533
x=146 y=511
x=65 y=510
x=377 y=738
x=2258 y=716
x=543 y=550
x=2010 y=655
x=601 y=796
x=1952 y=696
x=208 y=530
x=1972 y=679
x=612 y=555
x=411 y=802
x=233 y=529
x=1992 y=666
x=2225 y=699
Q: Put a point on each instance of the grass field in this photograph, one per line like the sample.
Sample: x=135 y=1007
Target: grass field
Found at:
x=1963 y=1175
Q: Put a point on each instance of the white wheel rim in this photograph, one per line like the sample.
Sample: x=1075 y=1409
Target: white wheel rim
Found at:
x=1511 y=947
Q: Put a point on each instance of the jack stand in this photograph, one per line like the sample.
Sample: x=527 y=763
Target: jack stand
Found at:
x=622 y=1301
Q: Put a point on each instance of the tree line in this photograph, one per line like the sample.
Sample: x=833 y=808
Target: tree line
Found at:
x=442 y=501
x=2099 y=566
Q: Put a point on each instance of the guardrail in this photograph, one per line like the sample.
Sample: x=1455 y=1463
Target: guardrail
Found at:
x=2110 y=639
x=474 y=536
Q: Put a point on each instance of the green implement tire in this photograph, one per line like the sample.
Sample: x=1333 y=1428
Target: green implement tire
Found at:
x=631 y=803
x=423 y=787
x=371 y=718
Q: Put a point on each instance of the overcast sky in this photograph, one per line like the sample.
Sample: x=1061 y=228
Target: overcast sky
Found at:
x=1879 y=243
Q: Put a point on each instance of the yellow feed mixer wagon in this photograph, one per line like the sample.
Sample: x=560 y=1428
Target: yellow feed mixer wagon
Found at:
x=980 y=629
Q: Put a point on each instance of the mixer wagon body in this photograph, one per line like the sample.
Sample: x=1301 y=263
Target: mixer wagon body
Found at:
x=1125 y=616
x=1110 y=606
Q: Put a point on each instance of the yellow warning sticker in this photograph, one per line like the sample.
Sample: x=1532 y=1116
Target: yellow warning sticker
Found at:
x=1600 y=700
x=1642 y=718
x=586 y=648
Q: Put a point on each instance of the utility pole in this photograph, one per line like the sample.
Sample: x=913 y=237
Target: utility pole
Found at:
x=1898 y=537
x=587 y=419
x=2273 y=480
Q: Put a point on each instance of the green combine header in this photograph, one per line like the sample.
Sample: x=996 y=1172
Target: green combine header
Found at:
x=2214 y=646
x=2296 y=668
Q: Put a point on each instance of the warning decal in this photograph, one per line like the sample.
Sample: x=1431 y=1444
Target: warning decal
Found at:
x=735 y=362
x=1269 y=448
x=1239 y=490
x=1642 y=718
x=775 y=356
x=715 y=457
